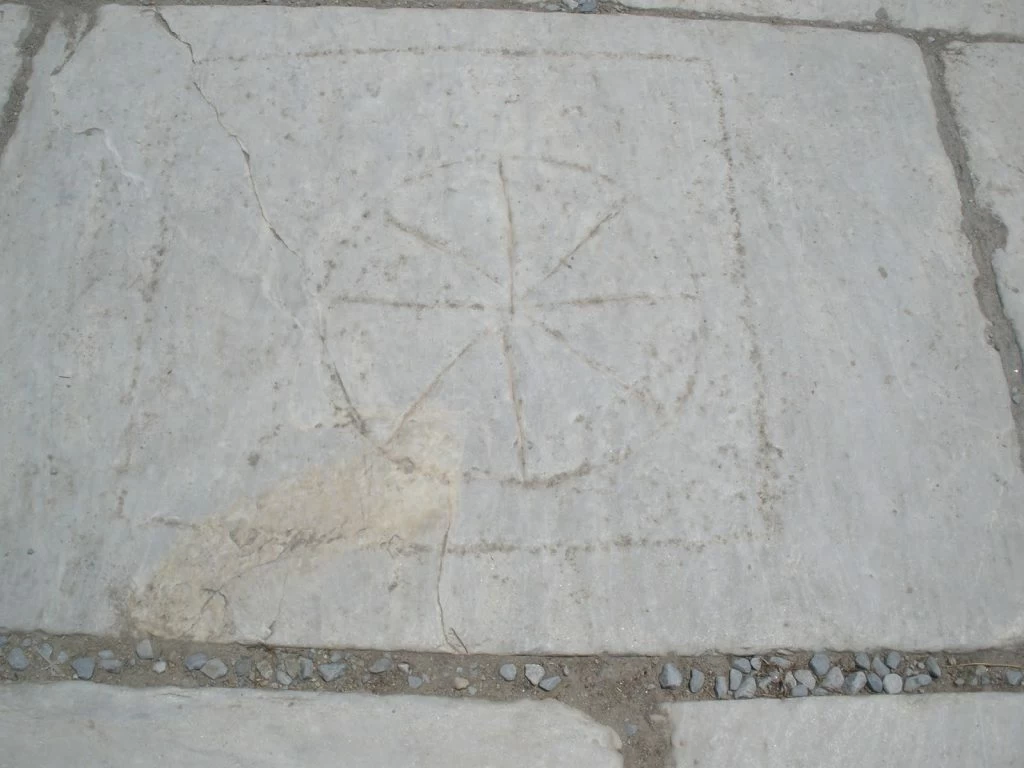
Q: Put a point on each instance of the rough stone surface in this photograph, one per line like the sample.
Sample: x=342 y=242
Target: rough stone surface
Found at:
x=1006 y=16
x=460 y=683
x=747 y=689
x=218 y=728
x=159 y=667
x=735 y=678
x=670 y=676
x=799 y=691
x=940 y=730
x=932 y=665
x=863 y=661
x=225 y=272
x=743 y=665
x=879 y=667
x=381 y=665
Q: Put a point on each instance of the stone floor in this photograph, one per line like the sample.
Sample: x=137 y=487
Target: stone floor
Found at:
x=671 y=330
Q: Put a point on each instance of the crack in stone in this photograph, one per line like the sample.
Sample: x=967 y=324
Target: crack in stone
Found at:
x=31 y=40
x=447 y=633
x=513 y=391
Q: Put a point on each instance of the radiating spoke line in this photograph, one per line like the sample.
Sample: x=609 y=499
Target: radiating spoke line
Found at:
x=513 y=389
x=383 y=301
x=510 y=240
x=437 y=245
x=591 y=234
x=633 y=298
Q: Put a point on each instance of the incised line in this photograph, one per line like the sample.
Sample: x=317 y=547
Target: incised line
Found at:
x=594 y=301
x=568 y=257
x=402 y=304
x=511 y=247
x=438 y=245
x=513 y=390
x=447 y=633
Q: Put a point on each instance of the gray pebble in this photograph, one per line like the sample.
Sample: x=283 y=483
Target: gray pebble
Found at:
x=806 y=677
x=912 y=684
x=747 y=689
x=755 y=663
x=587 y=6
x=195 y=661
x=331 y=672
x=550 y=683
x=932 y=665
x=833 y=679
x=113 y=666
x=215 y=669
x=62 y=657
x=534 y=673
x=721 y=687
x=735 y=678
x=144 y=649
x=743 y=665
x=893 y=659
x=781 y=662
x=106 y=654
x=892 y=683
x=820 y=664
x=670 y=676
x=874 y=682
x=799 y=691
x=84 y=667
x=508 y=672
x=819 y=691
x=1014 y=677
x=46 y=651
x=383 y=664
x=415 y=681
x=862 y=661
x=855 y=683
x=879 y=668
x=283 y=678
x=243 y=668
x=160 y=666
x=17 y=659
x=696 y=680
x=306 y=668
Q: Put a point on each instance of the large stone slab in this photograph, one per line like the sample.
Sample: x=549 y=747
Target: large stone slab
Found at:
x=983 y=17
x=941 y=730
x=84 y=724
x=13 y=20
x=496 y=331
x=987 y=84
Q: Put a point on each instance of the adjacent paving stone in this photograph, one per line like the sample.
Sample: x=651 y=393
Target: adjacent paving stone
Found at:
x=550 y=683
x=806 y=677
x=226 y=728
x=721 y=687
x=893 y=659
x=820 y=664
x=331 y=672
x=932 y=665
x=892 y=683
x=508 y=672
x=214 y=669
x=735 y=678
x=381 y=665
x=874 y=682
x=938 y=731
x=862 y=661
x=670 y=676
x=743 y=665
x=696 y=680
x=761 y=146
x=17 y=660
x=854 y=683
x=195 y=661
x=84 y=667
x=916 y=682
x=879 y=668
x=534 y=673
x=144 y=649
x=833 y=680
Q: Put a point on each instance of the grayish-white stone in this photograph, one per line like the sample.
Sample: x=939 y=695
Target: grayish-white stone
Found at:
x=938 y=730
x=875 y=682
x=381 y=665
x=160 y=666
x=879 y=667
x=534 y=673
x=988 y=95
x=508 y=672
x=805 y=677
x=195 y=661
x=712 y=250
x=781 y=662
x=306 y=668
x=833 y=679
x=981 y=16
x=45 y=650
x=892 y=683
x=820 y=664
x=735 y=678
x=113 y=666
x=916 y=682
x=696 y=680
x=331 y=672
x=550 y=683
x=106 y=654
x=747 y=689
x=893 y=659
x=855 y=683
x=214 y=669
x=224 y=728
x=1014 y=676
x=743 y=665
x=863 y=661
x=17 y=660
x=84 y=667
x=721 y=687
x=670 y=676
x=144 y=649
x=414 y=681
x=932 y=665
x=800 y=691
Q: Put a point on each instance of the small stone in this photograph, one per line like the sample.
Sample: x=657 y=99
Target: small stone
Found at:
x=764 y=683
x=893 y=659
x=243 y=668
x=283 y=678
x=820 y=664
x=747 y=688
x=879 y=668
x=916 y=682
x=84 y=667
x=862 y=661
x=550 y=683
x=144 y=649
x=743 y=665
x=696 y=680
x=799 y=691
x=404 y=668
x=460 y=683
x=587 y=6
x=291 y=666
x=1014 y=677
x=415 y=681
x=833 y=679
x=306 y=668
x=113 y=666
x=874 y=682
x=735 y=678
x=756 y=663
x=959 y=682
x=790 y=680
x=781 y=662
x=932 y=665
x=17 y=659
x=265 y=669
x=195 y=661
x=855 y=683
x=336 y=656
x=806 y=677
x=160 y=666
x=670 y=676
x=471 y=690
x=331 y=672
x=631 y=730
x=3 y=640
x=819 y=691
x=892 y=683
x=383 y=664
x=721 y=687
x=534 y=673
x=508 y=672
x=214 y=669
x=62 y=657
x=45 y=650
x=106 y=654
